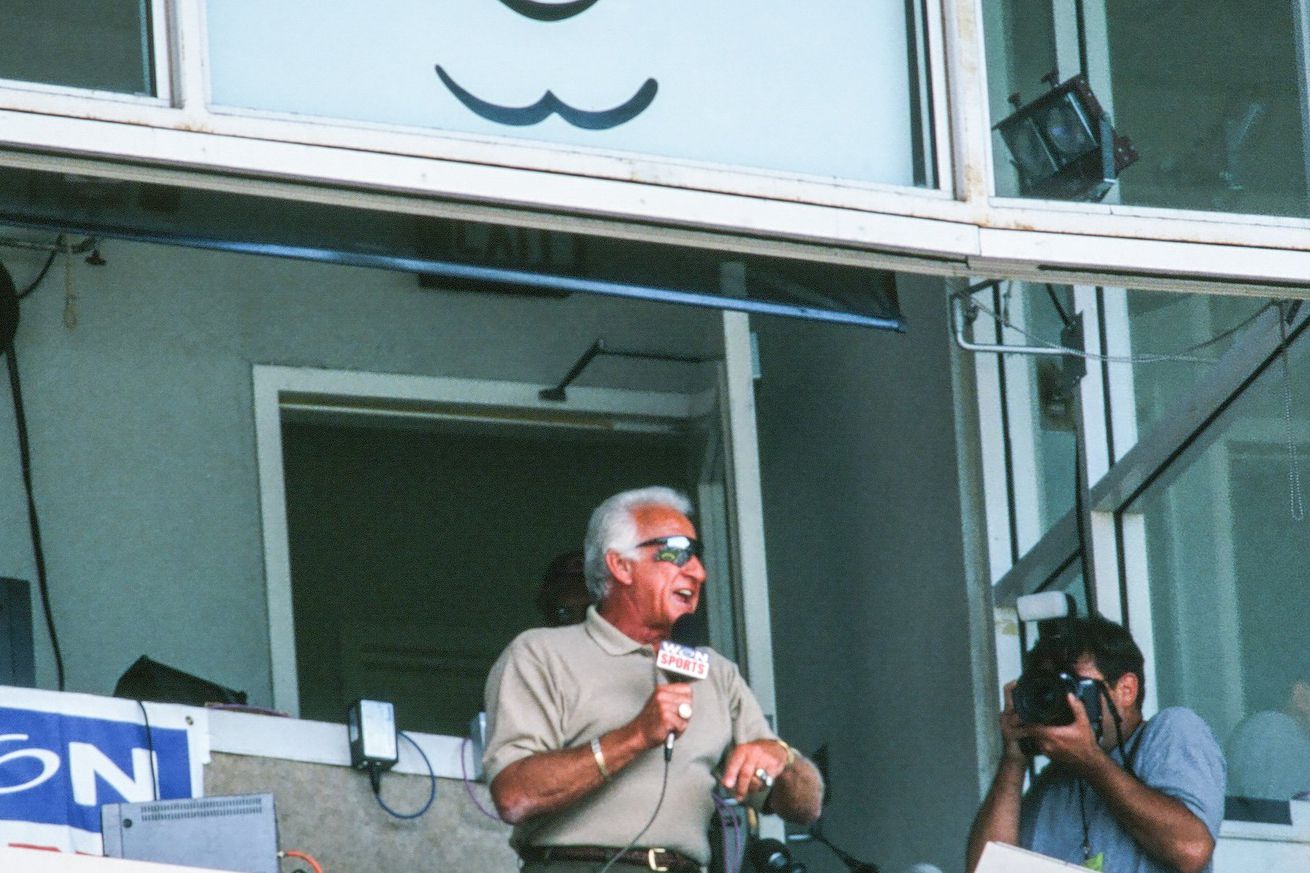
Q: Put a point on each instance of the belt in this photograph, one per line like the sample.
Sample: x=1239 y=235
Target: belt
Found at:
x=651 y=859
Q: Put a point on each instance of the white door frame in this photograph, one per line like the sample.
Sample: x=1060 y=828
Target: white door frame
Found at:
x=340 y=392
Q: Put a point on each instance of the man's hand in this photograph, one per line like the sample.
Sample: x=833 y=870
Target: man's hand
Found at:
x=739 y=773
x=659 y=717
x=1161 y=825
x=998 y=817
x=797 y=793
x=1072 y=745
x=1012 y=730
x=550 y=781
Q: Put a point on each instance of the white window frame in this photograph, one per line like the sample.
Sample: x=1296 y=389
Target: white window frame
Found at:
x=348 y=392
x=278 y=388
x=1118 y=543
x=956 y=232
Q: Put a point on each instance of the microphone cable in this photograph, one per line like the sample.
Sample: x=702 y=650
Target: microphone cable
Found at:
x=468 y=783
x=375 y=778
x=664 y=786
x=733 y=841
x=33 y=520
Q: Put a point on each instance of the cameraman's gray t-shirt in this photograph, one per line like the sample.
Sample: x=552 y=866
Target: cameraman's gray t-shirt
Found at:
x=1175 y=753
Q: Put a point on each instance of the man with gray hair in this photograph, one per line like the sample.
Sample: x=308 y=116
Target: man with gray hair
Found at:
x=577 y=715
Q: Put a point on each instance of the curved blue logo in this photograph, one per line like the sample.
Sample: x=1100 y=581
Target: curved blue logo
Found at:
x=548 y=11
x=549 y=104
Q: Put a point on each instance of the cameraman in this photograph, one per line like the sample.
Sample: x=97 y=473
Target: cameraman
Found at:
x=1158 y=813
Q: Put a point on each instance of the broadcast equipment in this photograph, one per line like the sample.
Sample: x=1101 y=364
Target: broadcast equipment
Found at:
x=371 y=728
x=221 y=833
x=771 y=856
x=148 y=679
x=1063 y=145
x=17 y=658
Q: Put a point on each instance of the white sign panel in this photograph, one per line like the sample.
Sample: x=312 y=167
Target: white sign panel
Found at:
x=62 y=756
x=809 y=88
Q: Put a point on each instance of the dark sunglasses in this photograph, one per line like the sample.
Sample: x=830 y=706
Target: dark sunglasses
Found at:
x=677 y=550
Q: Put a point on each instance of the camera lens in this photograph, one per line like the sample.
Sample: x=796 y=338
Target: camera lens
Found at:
x=1039 y=698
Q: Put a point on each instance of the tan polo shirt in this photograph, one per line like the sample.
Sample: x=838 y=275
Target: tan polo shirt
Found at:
x=558 y=688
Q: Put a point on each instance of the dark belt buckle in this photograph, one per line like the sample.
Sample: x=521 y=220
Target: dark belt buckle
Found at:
x=653 y=863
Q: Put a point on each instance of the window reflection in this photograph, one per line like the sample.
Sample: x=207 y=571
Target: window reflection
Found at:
x=1070 y=581
x=1210 y=92
x=1195 y=329
x=1041 y=408
x=79 y=44
x=1226 y=556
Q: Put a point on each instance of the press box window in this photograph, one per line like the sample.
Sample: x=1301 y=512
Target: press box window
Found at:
x=90 y=44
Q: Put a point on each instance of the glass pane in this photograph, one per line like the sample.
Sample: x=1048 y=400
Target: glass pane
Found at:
x=1020 y=50
x=1226 y=560
x=447 y=253
x=831 y=89
x=1210 y=93
x=79 y=44
x=1040 y=408
x=1200 y=327
x=1070 y=581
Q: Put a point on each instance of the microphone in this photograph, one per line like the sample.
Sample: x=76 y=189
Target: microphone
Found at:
x=683 y=662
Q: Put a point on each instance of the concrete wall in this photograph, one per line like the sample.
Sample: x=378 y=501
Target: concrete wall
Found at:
x=329 y=813
x=143 y=439
x=867 y=579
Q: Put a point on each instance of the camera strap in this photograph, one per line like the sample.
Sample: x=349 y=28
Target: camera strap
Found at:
x=1135 y=743
x=1090 y=861
x=1097 y=861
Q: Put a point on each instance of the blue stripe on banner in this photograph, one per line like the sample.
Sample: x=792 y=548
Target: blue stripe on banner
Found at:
x=58 y=769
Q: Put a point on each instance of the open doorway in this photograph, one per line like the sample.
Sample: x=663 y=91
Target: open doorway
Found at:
x=409 y=520
x=417 y=547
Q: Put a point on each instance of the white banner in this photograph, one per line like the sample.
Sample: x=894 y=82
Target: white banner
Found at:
x=812 y=88
x=64 y=755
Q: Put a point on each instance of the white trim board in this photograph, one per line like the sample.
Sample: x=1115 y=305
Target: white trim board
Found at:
x=320 y=742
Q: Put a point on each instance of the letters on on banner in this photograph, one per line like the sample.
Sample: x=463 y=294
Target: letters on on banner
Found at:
x=62 y=756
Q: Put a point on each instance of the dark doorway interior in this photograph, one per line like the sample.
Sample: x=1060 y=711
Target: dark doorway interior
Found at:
x=416 y=550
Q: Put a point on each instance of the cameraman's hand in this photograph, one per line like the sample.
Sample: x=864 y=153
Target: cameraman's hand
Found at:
x=1012 y=730
x=1072 y=745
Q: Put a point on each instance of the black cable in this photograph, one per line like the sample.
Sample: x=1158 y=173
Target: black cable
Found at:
x=1080 y=22
x=375 y=777
x=41 y=275
x=468 y=783
x=1065 y=318
x=1084 y=557
x=664 y=786
x=854 y=864
x=38 y=553
x=1179 y=356
x=150 y=750
x=1118 y=727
